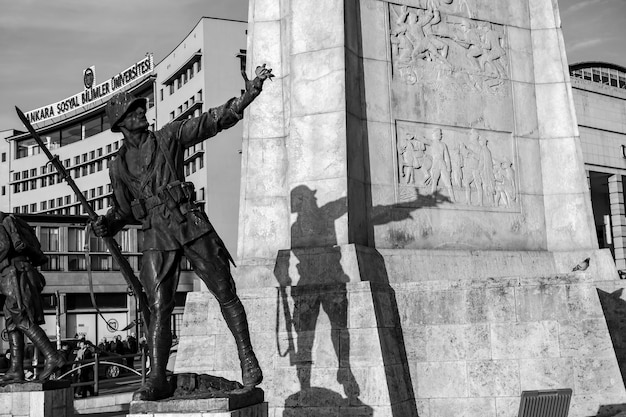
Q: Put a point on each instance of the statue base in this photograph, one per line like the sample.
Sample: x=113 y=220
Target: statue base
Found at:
x=37 y=399
x=199 y=395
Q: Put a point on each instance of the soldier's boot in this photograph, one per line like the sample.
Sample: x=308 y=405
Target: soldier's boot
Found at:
x=235 y=317
x=54 y=359
x=156 y=387
x=16 y=346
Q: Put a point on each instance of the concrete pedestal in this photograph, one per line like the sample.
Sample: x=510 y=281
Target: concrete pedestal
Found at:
x=205 y=407
x=37 y=399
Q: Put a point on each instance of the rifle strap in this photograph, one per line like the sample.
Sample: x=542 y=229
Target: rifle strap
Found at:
x=167 y=155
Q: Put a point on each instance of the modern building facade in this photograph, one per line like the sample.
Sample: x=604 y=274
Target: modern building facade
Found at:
x=191 y=79
x=599 y=92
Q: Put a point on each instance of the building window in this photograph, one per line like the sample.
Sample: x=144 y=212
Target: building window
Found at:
x=75 y=239
x=171 y=89
x=4 y=156
x=101 y=262
x=53 y=263
x=161 y=94
x=33 y=207
x=172 y=115
x=71 y=134
x=93 y=126
x=49 y=237
x=76 y=263
x=4 y=190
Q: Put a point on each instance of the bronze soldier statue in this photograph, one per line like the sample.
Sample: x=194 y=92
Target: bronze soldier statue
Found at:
x=21 y=286
x=149 y=186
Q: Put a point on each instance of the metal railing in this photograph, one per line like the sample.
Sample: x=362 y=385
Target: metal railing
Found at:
x=118 y=362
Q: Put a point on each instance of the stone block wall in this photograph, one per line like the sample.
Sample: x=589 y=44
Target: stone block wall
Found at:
x=39 y=403
x=463 y=344
x=478 y=347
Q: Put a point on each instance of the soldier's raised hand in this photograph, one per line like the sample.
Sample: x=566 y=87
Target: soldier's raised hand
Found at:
x=262 y=73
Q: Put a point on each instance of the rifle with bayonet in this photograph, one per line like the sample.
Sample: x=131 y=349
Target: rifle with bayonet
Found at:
x=111 y=244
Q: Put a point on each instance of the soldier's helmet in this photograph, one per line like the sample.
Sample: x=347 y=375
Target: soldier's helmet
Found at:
x=118 y=106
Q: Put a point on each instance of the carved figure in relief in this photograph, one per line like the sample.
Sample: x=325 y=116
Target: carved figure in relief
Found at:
x=413 y=35
x=413 y=159
x=505 y=183
x=442 y=166
x=421 y=162
x=407 y=159
x=471 y=169
x=456 y=160
x=470 y=40
x=463 y=54
x=492 y=52
x=485 y=166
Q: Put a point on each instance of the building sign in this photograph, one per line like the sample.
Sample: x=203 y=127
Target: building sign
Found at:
x=107 y=88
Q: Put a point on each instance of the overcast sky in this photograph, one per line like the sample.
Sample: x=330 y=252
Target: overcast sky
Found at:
x=45 y=44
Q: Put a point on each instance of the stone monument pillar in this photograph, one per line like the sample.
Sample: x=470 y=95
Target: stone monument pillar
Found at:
x=413 y=202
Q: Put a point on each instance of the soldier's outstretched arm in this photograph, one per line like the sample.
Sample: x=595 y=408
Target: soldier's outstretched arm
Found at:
x=197 y=129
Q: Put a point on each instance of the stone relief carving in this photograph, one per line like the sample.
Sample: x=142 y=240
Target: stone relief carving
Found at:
x=431 y=47
x=457 y=163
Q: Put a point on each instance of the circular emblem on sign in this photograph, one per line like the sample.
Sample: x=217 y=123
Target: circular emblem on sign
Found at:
x=88 y=78
x=5 y=335
x=112 y=325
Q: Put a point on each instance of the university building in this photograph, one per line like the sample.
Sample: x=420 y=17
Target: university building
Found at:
x=188 y=81
x=599 y=92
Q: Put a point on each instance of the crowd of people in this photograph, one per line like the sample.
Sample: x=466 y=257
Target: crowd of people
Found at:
x=85 y=351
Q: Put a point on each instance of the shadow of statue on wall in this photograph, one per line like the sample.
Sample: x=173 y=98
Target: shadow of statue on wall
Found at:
x=311 y=279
